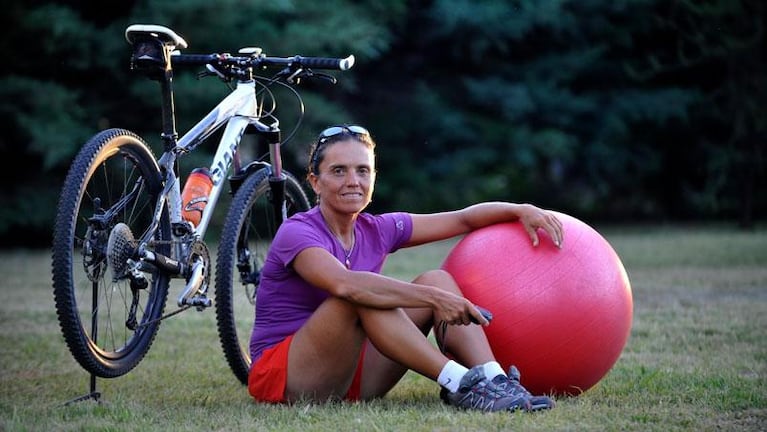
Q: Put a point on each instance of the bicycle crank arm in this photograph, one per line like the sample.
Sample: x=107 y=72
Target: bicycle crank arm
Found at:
x=166 y=264
x=192 y=294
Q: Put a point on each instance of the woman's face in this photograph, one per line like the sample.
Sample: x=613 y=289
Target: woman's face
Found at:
x=346 y=176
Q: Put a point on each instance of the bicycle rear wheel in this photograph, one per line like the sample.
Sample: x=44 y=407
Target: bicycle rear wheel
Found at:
x=246 y=235
x=106 y=312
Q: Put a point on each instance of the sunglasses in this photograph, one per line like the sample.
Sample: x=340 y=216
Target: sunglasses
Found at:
x=338 y=130
x=333 y=132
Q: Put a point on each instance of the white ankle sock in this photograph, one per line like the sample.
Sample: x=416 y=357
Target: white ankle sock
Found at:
x=450 y=377
x=493 y=369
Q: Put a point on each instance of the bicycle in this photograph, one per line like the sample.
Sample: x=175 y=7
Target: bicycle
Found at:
x=119 y=235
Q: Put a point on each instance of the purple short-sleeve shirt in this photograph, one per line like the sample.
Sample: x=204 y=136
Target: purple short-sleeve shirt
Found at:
x=284 y=300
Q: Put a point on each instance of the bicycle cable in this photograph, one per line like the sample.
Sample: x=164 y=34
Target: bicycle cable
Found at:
x=266 y=83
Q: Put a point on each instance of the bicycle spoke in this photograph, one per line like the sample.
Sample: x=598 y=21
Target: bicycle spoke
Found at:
x=111 y=181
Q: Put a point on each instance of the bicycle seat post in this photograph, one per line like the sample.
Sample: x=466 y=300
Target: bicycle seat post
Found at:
x=152 y=47
x=169 y=133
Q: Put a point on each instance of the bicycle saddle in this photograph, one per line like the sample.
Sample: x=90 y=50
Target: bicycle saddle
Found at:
x=163 y=34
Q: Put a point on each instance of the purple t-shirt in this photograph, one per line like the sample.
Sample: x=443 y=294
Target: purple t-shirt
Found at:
x=284 y=300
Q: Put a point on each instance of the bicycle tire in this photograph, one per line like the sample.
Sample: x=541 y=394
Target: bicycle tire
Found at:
x=246 y=235
x=93 y=307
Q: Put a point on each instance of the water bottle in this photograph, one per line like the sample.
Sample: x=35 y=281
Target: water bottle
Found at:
x=194 y=198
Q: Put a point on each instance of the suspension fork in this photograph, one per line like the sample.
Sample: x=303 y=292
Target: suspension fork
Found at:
x=277 y=178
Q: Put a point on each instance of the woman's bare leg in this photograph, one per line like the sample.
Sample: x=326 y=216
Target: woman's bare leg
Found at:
x=467 y=344
x=324 y=352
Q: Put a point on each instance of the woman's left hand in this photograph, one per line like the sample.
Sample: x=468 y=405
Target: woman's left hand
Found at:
x=533 y=218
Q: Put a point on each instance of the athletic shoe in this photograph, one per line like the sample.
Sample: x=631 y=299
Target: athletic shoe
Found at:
x=537 y=403
x=479 y=393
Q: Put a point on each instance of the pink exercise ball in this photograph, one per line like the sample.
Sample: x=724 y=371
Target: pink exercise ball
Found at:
x=562 y=316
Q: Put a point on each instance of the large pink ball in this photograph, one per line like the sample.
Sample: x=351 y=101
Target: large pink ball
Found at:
x=562 y=316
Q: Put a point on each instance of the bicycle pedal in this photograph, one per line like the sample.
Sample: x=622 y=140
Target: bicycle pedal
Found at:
x=199 y=302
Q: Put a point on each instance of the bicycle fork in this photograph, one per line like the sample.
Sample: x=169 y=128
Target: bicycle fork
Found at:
x=277 y=178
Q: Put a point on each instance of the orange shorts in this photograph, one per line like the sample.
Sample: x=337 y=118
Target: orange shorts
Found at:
x=269 y=375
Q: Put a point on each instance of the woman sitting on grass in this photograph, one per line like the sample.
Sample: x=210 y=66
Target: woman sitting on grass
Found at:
x=330 y=326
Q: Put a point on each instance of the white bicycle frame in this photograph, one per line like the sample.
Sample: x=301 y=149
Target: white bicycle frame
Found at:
x=238 y=110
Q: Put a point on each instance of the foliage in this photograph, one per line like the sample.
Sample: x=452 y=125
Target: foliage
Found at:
x=543 y=101
x=611 y=109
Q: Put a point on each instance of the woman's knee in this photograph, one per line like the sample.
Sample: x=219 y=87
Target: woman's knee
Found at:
x=334 y=320
x=439 y=278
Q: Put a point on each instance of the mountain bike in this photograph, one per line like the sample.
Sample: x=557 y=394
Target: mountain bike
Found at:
x=120 y=236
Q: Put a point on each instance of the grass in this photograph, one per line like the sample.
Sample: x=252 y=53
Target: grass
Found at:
x=696 y=358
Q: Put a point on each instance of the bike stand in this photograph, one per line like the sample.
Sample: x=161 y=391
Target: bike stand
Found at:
x=94 y=394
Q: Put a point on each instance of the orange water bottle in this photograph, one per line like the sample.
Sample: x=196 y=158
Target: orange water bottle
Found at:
x=194 y=198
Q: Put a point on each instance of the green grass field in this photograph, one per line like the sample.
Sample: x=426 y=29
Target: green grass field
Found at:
x=696 y=358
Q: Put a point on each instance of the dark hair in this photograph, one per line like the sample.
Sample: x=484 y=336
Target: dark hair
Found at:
x=317 y=151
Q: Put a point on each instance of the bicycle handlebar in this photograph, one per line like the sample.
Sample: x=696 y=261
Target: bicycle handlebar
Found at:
x=294 y=62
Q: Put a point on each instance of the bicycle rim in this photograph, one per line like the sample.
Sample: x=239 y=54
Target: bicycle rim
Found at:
x=246 y=236
x=107 y=325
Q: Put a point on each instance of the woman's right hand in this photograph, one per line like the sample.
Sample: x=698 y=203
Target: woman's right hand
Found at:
x=457 y=310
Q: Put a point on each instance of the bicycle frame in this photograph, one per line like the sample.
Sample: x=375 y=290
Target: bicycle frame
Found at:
x=153 y=53
x=238 y=111
x=117 y=189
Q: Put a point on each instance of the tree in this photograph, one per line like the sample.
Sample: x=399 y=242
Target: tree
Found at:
x=70 y=78
x=605 y=109
x=718 y=46
x=560 y=102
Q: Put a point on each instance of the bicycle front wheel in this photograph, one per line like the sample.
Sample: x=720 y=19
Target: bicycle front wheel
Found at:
x=247 y=233
x=108 y=310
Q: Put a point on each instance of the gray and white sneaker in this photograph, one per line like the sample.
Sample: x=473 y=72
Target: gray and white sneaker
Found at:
x=537 y=403
x=479 y=393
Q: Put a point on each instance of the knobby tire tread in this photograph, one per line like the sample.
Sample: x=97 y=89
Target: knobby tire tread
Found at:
x=227 y=275
x=73 y=328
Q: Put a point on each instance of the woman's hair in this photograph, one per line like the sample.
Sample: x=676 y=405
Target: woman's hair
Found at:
x=331 y=136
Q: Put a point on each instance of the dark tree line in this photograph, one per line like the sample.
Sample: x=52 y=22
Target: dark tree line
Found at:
x=619 y=110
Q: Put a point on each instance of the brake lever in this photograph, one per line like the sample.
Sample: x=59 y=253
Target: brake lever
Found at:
x=211 y=71
x=329 y=78
x=295 y=76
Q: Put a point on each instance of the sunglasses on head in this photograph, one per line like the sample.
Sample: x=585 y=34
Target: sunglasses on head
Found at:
x=338 y=130
x=332 y=132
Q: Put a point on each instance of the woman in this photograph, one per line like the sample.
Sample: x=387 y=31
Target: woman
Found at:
x=330 y=326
